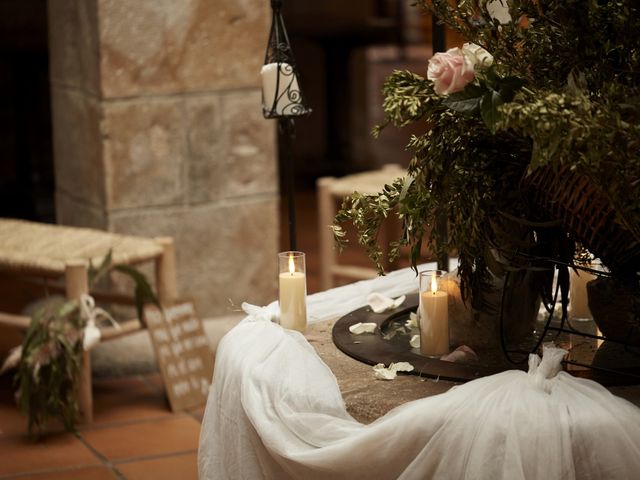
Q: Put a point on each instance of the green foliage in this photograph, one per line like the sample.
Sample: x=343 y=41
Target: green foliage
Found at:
x=49 y=365
x=143 y=293
x=564 y=89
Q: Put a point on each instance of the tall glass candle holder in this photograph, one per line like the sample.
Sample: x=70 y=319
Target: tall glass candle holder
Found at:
x=293 y=290
x=433 y=313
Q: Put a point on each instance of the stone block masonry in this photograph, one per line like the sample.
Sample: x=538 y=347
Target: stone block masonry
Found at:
x=158 y=131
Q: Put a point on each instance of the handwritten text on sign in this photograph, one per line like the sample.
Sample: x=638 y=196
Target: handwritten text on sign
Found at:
x=183 y=353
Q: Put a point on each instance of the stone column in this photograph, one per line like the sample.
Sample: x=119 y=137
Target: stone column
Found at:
x=158 y=131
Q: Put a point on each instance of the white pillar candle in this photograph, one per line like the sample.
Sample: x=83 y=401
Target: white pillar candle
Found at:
x=293 y=297
x=578 y=299
x=288 y=91
x=434 y=321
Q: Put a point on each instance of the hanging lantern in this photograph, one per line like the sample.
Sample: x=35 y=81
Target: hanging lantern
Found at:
x=281 y=93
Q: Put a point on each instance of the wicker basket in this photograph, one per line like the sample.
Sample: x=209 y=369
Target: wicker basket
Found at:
x=586 y=215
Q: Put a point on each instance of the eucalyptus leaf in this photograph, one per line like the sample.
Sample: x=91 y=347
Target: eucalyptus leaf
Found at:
x=408 y=180
x=105 y=265
x=465 y=105
x=489 y=104
x=467 y=101
x=143 y=292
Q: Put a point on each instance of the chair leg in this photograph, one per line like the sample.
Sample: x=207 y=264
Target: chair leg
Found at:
x=166 y=272
x=326 y=213
x=76 y=284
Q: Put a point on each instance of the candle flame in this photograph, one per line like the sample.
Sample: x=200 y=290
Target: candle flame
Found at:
x=434 y=284
x=292 y=266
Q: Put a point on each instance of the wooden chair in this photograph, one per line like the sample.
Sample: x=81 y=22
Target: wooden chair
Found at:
x=37 y=251
x=330 y=191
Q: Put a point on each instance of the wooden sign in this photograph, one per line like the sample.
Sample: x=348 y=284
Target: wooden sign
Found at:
x=183 y=353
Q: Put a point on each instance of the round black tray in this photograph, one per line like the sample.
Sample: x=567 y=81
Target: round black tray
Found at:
x=608 y=363
x=373 y=348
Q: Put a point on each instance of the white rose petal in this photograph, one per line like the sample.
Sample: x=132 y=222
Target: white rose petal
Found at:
x=415 y=341
x=383 y=373
x=380 y=303
x=412 y=323
x=478 y=56
x=499 y=10
x=401 y=367
x=358 y=328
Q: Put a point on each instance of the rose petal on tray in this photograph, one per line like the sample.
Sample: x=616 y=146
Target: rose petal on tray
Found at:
x=381 y=303
x=389 y=373
x=358 y=328
x=383 y=373
x=460 y=354
x=412 y=323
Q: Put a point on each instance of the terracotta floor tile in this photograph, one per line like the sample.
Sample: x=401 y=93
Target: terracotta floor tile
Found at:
x=184 y=467
x=178 y=433
x=124 y=400
x=197 y=412
x=88 y=473
x=19 y=455
x=155 y=379
x=12 y=421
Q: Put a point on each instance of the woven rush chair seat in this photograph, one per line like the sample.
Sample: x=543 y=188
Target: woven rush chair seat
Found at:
x=43 y=249
x=588 y=216
x=368 y=183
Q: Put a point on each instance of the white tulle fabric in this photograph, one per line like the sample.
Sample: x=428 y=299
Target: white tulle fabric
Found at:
x=275 y=412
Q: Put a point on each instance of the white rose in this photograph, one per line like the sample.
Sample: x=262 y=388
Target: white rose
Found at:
x=478 y=56
x=450 y=71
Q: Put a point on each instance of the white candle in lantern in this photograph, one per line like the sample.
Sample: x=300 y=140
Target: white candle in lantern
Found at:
x=434 y=321
x=293 y=298
x=578 y=299
x=288 y=91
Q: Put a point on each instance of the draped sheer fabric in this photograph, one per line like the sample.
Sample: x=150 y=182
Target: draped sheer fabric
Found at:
x=275 y=412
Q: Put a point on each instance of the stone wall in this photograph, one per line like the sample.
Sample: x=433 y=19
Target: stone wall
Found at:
x=158 y=131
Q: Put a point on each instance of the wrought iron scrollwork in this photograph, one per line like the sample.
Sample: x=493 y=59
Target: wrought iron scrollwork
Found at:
x=285 y=96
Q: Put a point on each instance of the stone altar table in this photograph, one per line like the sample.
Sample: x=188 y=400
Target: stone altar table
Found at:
x=367 y=398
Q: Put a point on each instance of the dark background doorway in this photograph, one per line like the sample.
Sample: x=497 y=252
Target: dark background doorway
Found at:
x=26 y=154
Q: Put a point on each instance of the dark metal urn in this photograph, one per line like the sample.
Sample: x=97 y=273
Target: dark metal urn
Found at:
x=615 y=306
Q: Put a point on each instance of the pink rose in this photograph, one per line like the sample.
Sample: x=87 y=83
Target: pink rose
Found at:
x=450 y=71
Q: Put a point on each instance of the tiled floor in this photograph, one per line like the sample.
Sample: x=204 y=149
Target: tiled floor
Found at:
x=134 y=436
